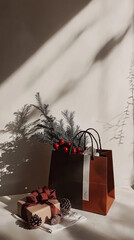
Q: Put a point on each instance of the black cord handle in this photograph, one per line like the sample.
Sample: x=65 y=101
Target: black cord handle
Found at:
x=97 y=134
x=85 y=140
x=84 y=132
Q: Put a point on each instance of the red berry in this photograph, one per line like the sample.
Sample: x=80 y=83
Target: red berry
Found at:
x=78 y=149
x=66 y=149
x=56 y=146
x=80 y=153
x=69 y=144
x=73 y=150
x=62 y=141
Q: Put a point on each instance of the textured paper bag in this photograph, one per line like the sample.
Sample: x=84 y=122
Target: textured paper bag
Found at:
x=67 y=176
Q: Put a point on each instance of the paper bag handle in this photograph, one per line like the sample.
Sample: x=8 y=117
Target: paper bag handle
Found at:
x=85 y=139
x=84 y=132
x=88 y=129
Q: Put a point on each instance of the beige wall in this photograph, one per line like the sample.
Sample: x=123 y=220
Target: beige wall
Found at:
x=82 y=64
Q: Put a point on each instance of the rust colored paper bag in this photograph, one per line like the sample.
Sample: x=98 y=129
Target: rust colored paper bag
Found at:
x=101 y=181
x=67 y=176
x=101 y=184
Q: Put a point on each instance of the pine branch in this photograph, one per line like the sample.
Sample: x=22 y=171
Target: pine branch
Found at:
x=53 y=129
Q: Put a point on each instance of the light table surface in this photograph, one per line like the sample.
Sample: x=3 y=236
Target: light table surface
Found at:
x=118 y=224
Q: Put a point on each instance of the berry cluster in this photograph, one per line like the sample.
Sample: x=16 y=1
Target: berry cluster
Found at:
x=65 y=146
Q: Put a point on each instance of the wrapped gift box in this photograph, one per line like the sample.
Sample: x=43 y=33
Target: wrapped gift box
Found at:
x=41 y=206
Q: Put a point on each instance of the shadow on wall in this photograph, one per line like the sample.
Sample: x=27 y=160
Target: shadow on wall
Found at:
x=111 y=44
x=4 y=237
x=27 y=24
x=100 y=56
x=24 y=162
x=26 y=167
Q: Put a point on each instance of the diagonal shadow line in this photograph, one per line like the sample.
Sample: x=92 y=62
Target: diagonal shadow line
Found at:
x=85 y=232
x=103 y=53
x=123 y=219
x=27 y=25
x=59 y=54
x=54 y=59
x=72 y=83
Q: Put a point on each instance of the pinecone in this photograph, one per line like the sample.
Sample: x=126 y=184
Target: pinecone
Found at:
x=65 y=206
x=55 y=220
x=47 y=220
x=35 y=221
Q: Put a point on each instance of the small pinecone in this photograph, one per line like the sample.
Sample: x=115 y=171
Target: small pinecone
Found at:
x=65 y=206
x=47 y=220
x=35 y=221
x=55 y=220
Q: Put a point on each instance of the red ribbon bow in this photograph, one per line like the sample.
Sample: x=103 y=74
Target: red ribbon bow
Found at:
x=40 y=196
